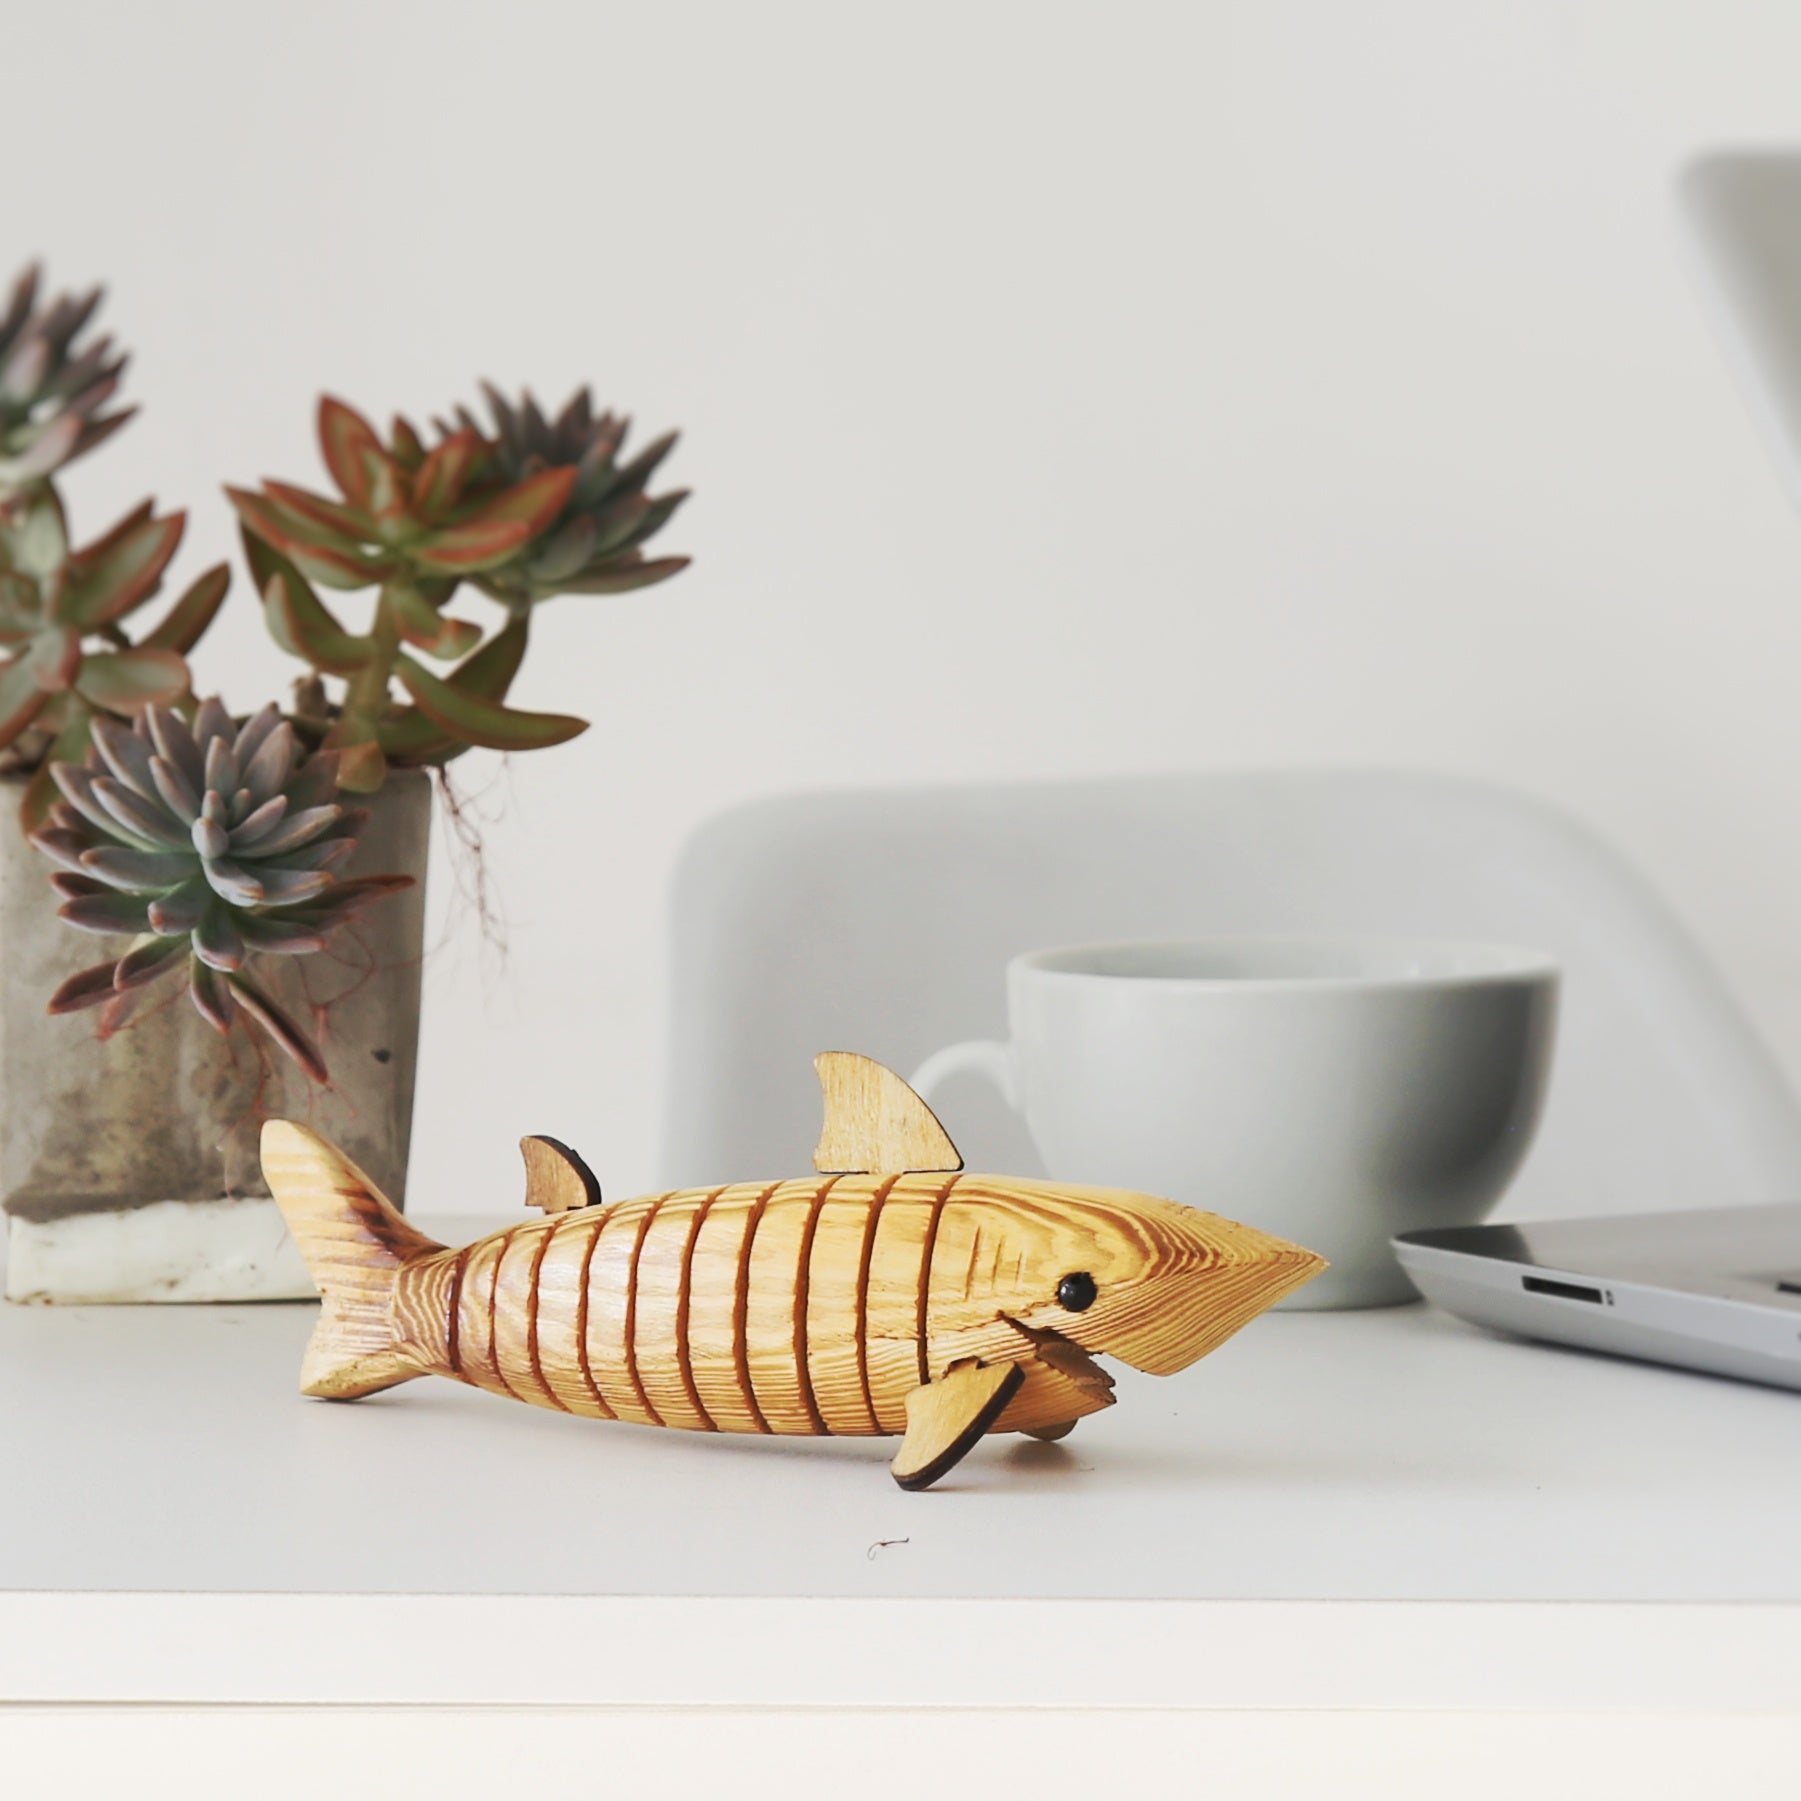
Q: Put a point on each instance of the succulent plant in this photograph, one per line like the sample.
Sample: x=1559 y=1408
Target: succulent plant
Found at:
x=594 y=546
x=416 y=522
x=209 y=843
x=412 y=522
x=53 y=394
x=67 y=658
x=404 y=512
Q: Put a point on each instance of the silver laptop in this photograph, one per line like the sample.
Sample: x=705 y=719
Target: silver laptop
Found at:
x=1719 y=1289
x=1716 y=1290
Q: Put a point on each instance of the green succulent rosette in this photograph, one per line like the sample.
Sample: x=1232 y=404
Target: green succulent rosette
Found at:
x=209 y=843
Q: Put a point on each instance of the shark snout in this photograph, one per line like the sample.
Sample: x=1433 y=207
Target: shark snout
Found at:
x=1211 y=1277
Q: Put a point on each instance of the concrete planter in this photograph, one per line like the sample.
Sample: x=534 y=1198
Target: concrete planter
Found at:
x=128 y=1169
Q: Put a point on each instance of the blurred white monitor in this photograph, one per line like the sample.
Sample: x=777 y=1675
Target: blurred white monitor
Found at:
x=1741 y=215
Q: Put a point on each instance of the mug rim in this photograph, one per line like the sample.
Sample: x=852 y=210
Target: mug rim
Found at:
x=1507 y=964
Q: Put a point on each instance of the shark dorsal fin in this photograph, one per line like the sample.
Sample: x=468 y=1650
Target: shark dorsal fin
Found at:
x=874 y=1123
x=556 y=1179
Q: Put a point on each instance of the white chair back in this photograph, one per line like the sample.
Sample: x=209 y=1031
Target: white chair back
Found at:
x=881 y=922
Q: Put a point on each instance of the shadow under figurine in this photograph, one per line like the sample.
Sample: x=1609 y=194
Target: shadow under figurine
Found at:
x=890 y=1294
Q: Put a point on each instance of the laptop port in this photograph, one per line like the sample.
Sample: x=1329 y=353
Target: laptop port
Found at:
x=1568 y=1291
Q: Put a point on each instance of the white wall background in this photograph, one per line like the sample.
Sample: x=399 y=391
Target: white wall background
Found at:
x=1068 y=388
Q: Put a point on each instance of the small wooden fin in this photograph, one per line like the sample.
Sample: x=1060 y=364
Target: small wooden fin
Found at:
x=946 y=1417
x=1050 y=1434
x=874 y=1123
x=556 y=1179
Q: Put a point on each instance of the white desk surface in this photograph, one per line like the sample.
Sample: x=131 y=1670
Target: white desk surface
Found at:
x=158 y=1471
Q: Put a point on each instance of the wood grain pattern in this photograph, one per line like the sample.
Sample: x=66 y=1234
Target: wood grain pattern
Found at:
x=837 y=1289
x=718 y=1309
x=838 y=1303
x=776 y=1276
x=660 y=1351
x=612 y=1305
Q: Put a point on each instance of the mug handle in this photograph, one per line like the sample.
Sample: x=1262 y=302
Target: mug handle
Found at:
x=987 y=1056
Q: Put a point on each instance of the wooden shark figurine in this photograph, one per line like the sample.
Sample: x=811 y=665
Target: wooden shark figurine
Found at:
x=889 y=1294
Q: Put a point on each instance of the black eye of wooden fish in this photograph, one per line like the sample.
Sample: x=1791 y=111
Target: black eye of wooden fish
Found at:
x=1076 y=1292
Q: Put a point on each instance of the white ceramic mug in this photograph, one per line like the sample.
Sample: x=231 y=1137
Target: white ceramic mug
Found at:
x=1333 y=1091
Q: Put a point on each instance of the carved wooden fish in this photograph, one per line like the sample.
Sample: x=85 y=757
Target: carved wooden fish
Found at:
x=888 y=1294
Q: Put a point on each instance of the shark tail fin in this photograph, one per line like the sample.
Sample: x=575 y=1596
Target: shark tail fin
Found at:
x=355 y=1245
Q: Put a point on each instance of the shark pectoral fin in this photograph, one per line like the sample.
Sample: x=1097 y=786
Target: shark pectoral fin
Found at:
x=874 y=1123
x=556 y=1179
x=946 y=1417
